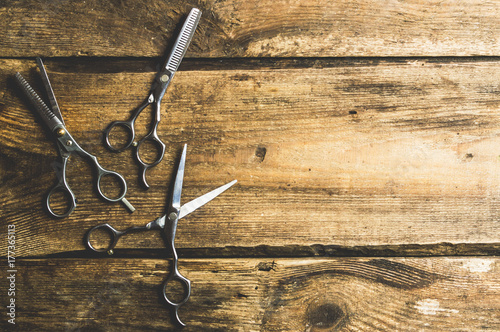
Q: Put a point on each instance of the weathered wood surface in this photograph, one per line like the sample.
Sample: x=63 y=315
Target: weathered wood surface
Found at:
x=431 y=294
x=240 y=28
x=361 y=153
x=355 y=128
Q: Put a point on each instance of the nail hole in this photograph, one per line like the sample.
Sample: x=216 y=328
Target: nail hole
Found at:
x=260 y=153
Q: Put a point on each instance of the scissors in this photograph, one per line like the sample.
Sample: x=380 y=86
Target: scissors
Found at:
x=66 y=146
x=167 y=223
x=163 y=79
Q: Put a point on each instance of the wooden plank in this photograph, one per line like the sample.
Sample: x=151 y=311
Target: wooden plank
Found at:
x=363 y=154
x=238 y=28
x=432 y=294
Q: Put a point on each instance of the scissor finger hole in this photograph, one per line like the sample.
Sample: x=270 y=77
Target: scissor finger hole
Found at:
x=101 y=239
x=150 y=152
x=119 y=136
x=112 y=186
x=60 y=202
x=176 y=291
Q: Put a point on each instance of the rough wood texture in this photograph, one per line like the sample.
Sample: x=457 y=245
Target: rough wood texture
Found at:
x=431 y=294
x=355 y=128
x=240 y=28
x=350 y=155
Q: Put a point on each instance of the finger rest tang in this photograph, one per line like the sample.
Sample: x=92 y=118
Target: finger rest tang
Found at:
x=127 y=204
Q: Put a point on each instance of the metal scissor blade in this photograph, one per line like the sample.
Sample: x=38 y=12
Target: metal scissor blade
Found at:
x=202 y=200
x=52 y=98
x=176 y=195
x=47 y=115
x=183 y=40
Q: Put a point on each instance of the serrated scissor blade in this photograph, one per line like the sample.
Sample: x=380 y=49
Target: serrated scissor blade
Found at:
x=43 y=110
x=183 y=40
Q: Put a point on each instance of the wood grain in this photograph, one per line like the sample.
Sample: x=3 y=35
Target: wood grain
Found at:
x=239 y=28
x=364 y=136
x=383 y=153
x=432 y=294
x=355 y=151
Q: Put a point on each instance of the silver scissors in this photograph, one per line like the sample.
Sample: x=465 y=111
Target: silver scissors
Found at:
x=66 y=145
x=168 y=223
x=163 y=79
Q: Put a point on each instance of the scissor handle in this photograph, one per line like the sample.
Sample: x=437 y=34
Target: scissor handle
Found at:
x=169 y=232
x=128 y=125
x=114 y=237
x=101 y=172
x=186 y=283
x=61 y=186
x=153 y=138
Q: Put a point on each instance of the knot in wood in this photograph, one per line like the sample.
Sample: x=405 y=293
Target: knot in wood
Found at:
x=326 y=315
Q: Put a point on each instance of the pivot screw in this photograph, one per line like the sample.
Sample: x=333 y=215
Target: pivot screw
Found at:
x=69 y=143
x=172 y=216
x=60 y=132
x=164 y=78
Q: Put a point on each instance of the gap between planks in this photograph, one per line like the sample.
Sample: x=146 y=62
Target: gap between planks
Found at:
x=145 y=64
x=297 y=251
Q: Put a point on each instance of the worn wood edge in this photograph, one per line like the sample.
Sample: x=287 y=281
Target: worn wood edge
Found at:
x=117 y=64
x=296 y=251
x=242 y=28
x=368 y=294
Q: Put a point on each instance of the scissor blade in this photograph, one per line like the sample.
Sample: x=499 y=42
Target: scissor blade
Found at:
x=202 y=200
x=46 y=114
x=176 y=195
x=183 y=40
x=52 y=98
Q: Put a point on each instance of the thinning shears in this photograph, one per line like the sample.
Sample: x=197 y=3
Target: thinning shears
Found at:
x=66 y=146
x=167 y=223
x=163 y=79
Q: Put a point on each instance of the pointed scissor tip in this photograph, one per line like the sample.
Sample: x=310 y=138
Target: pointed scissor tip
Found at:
x=39 y=63
x=183 y=158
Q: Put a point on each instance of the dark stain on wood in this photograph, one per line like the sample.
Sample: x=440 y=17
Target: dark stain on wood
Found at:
x=326 y=316
x=240 y=295
x=260 y=153
x=266 y=266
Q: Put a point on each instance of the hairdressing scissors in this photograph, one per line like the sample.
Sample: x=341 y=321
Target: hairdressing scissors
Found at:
x=163 y=79
x=66 y=146
x=168 y=223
